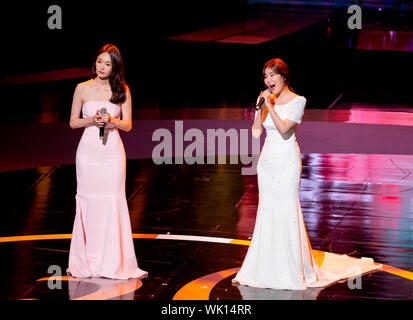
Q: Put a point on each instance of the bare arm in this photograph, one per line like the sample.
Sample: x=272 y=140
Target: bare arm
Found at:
x=257 y=125
x=283 y=126
x=75 y=120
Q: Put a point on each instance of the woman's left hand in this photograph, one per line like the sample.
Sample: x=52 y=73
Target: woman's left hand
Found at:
x=105 y=118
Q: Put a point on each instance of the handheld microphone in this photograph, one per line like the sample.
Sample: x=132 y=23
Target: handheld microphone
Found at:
x=261 y=102
x=102 y=128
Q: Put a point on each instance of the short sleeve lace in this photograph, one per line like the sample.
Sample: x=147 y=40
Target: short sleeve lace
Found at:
x=296 y=109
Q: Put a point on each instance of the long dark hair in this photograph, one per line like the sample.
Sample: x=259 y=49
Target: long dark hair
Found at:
x=116 y=79
x=280 y=67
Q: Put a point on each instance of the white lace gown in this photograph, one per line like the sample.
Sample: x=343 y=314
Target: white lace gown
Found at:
x=280 y=254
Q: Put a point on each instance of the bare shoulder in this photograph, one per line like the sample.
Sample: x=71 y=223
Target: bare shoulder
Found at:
x=83 y=89
x=85 y=85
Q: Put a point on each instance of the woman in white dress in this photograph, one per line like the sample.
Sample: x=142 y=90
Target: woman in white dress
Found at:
x=280 y=254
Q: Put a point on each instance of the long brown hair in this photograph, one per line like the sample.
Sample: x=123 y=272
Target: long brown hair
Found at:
x=280 y=67
x=116 y=79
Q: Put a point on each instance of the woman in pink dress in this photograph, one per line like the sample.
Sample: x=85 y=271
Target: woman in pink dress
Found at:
x=102 y=244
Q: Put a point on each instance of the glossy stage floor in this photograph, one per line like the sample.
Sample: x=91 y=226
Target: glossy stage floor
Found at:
x=192 y=223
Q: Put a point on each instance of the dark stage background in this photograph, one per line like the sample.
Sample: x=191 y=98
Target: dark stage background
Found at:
x=163 y=73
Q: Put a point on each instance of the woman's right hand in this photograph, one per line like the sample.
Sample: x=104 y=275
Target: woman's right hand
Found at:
x=267 y=95
x=97 y=119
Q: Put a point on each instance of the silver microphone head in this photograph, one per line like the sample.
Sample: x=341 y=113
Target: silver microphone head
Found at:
x=103 y=111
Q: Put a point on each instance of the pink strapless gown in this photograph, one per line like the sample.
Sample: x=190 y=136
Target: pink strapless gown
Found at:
x=102 y=244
